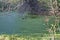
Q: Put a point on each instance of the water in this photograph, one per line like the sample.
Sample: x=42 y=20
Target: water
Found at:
x=12 y=23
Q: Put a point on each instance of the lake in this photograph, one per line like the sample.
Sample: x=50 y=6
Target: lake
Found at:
x=14 y=23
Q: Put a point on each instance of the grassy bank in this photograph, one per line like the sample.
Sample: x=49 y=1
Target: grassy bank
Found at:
x=30 y=37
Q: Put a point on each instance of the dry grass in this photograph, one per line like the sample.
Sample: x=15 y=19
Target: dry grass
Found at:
x=16 y=37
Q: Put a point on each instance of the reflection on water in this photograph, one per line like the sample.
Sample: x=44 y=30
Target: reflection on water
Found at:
x=12 y=22
x=8 y=22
